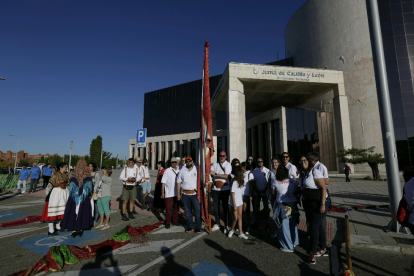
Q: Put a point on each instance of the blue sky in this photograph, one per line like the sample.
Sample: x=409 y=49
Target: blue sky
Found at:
x=78 y=69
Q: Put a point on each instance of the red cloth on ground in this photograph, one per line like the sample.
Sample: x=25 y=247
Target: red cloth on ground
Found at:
x=23 y=221
x=336 y=209
x=45 y=218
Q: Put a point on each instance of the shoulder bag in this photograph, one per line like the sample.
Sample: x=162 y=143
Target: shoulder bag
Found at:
x=220 y=184
x=129 y=187
x=403 y=213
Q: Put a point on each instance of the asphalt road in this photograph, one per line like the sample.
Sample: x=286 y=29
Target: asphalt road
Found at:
x=173 y=252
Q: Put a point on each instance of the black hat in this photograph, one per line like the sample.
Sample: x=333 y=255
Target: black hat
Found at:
x=145 y=160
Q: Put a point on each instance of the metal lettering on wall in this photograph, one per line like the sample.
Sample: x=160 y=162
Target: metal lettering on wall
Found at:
x=293 y=76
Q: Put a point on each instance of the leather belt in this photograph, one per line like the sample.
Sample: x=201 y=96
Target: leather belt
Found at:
x=189 y=192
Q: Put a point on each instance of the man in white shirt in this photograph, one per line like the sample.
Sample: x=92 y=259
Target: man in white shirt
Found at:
x=314 y=159
x=220 y=190
x=169 y=192
x=261 y=176
x=145 y=182
x=187 y=191
x=140 y=192
x=293 y=171
x=182 y=163
x=130 y=177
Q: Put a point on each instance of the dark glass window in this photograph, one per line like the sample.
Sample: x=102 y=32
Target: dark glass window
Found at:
x=408 y=18
x=276 y=138
x=402 y=52
x=265 y=143
x=400 y=41
x=407 y=7
x=398 y=29
x=409 y=29
x=403 y=63
x=397 y=19
x=405 y=74
x=396 y=9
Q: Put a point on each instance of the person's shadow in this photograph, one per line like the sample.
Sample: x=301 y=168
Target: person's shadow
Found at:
x=85 y=270
x=233 y=259
x=171 y=267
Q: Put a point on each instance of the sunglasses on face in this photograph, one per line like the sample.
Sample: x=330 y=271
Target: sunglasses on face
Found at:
x=303 y=161
x=222 y=156
x=249 y=159
x=173 y=162
x=285 y=156
x=188 y=161
x=259 y=161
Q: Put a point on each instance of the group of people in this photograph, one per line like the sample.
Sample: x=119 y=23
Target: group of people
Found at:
x=238 y=186
x=35 y=173
x=73 y=198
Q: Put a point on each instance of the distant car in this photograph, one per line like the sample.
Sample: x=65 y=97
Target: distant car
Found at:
x=17 y=169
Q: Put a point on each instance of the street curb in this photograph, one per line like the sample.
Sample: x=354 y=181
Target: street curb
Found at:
x=389 y=248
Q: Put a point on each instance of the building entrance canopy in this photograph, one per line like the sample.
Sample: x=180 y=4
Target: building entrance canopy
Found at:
x=259 y=88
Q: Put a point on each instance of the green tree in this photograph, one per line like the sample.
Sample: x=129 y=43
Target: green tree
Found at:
x=42 y=159
x=95 y=152
x=23 y=162
x=361 y=156
x=4 y=164
x=54 y=160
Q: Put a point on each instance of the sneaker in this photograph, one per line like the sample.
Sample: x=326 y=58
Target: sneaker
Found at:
x=230 y=234
x=225 y=230
x=322 y=253
x=247 y=232
x=167 y=226
x=23 y=192
x=52 y=234
x=105 y=227
x=215 y=227
x=312 y=259
x=131 y=216
x=124 y=217
x=197 y=230
x=274 y=235
x=243 y=236
x=177 y=224
x=286 y=250
x=189 y=230
x=99 y=226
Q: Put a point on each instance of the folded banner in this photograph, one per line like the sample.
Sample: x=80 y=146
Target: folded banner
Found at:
x=59 y=256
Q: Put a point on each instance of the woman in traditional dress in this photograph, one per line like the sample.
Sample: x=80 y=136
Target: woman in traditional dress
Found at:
x=56 y=199
x=158 y=202
x=79 y=209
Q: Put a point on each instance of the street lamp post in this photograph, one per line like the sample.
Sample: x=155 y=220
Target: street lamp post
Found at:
x=17 y=149
x=70 y=153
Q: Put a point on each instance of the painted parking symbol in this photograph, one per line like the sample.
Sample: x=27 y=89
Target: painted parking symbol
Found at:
x=12 y=215
x=43 y=243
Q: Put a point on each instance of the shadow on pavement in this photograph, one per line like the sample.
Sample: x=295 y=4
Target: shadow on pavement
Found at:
x=233 y=259
x=171 y=267
x=98 y=263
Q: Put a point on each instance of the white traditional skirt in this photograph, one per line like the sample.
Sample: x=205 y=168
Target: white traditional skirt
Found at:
x=55 y=208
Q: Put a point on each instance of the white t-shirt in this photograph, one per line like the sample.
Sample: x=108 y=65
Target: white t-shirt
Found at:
x=309 y=181
x=409 y=197
x=248 y=176
x=261 y=177
x=131 y=172
x=285 y=190
x=238 y=194
x=145 y=172
x=292 y=170
x=188 y=178
x=169 y=178
x=140 y=170
x=217 y=169
x=321 y=167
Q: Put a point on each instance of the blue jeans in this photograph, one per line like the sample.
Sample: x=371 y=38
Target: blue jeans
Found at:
x=256 y=205
x=190 y=202
x=288 y=233
x=222 y=196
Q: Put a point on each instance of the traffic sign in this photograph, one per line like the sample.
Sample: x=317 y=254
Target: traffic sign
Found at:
x=141 y=137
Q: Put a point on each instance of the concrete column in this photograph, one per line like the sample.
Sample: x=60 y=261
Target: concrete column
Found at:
x=159 y=153
x=180 y=149
x=188 y=148
x=283 y=131
x=261 y=146
x=342 y=125
x=153 y=161
x=236 y=120
x=167 y=151
x=136 y=151
x=269 y=139
x=174 y=149
x=130 y=151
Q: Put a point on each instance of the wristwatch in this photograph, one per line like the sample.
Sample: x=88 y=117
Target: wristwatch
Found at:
x=323 y=203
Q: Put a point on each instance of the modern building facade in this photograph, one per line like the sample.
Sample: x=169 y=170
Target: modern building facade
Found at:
x=321 y=98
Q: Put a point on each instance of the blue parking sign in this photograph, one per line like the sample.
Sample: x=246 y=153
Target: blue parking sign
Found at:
x=141 y=137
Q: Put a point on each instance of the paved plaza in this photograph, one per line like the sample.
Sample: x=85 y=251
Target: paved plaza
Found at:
x=173 y=252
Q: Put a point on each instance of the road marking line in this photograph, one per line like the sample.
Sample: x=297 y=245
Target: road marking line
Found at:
x=166 y=255
x=156 y=246
x=21 y=232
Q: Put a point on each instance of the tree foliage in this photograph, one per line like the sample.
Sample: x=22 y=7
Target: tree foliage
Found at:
x=4 y=164
x=23 y=162
x=95 y=152
x=362 y=156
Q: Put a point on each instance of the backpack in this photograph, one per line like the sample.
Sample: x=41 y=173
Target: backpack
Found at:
x=347 y=169
x=403 y=213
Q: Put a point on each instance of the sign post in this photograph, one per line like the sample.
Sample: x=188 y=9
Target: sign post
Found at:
x=141 y=137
